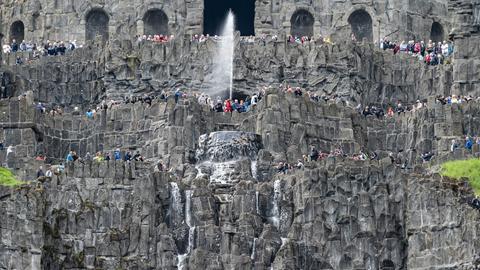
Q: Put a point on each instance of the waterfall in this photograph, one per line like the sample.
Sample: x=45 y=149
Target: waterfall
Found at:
x=188 y=208
x=257 y=204
x=176 y=197
x=191 y=230
x=219 y=153
x=254 y=249
x=277 y=195
x=253 y=168
x=222 y=74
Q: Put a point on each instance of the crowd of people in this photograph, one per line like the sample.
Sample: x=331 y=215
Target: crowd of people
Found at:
x=307 y=39
x=155 y=38
x=230 y=105
x=126 y=156
x=48 y=48
x=432 y=53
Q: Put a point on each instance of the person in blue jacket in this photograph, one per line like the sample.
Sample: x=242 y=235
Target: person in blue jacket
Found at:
x=117 y=155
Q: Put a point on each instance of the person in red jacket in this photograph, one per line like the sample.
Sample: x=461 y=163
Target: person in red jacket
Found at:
x=428 y=58
x=228 y=106
x=417 y=48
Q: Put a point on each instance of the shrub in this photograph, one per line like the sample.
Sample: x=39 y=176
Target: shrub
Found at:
x=469 y=169
x=7 y=178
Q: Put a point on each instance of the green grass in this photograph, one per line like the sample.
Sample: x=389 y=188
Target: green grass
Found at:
x=7 y=178
x=469 y=169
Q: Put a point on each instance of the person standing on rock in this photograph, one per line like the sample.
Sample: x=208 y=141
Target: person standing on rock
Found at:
x=117 y=154
x=453 y=146
x=127 y=157
x=40 y=172
x=10 y=156
x=314 y=154
x=70 y=157
x=178 y=94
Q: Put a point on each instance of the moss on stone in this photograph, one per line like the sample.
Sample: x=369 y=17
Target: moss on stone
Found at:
x=469 y=169
x=7 y=178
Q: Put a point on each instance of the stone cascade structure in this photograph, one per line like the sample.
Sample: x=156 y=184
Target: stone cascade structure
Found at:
x=221 y=202
x=361 y=73
x=40 y=20
x=339 y=214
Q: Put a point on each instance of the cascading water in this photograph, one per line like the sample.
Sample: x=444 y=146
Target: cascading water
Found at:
x=221 y=154
x=222 y=74
x=191 y=230
x=257 y=203
x=177 y=208
x=277 y=195
x=254 y=249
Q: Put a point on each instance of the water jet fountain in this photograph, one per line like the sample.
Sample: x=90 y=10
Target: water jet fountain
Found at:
x=222 y=75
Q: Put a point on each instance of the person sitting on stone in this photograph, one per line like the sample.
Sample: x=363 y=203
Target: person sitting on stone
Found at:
x=400 y=108
x=430 y=47
x=282 y=168
x=127 y=157
x=40 y=172
x=89 y=114
x=366 y=112
x=468 y=143
x=218 y=107
x=178 y=95
x=298 y=92
x=40 y=107
x=300 y=164
x=314 y=154
x=88 y=157
x=117 y=154
x=14 y=46
x=76 y=157
x=390 y=112
x=138 y=157
x=160 y=166
x=70 y=157
x=235 y=105
x=362 y=156
x=228 y=106
x=49 y=173
x=98 y=157
x=427 y=156
x=392 y=157
x=453 y=146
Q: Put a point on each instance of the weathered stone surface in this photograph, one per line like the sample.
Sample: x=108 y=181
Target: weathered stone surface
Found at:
x=333 y=214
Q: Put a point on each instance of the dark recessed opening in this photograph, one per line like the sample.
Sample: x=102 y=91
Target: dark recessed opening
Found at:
x=155 y=22
x=437 y=33
x=215 y=13
x=96 y=25
x=17 y=32
x=302 y=23
x=361 y=24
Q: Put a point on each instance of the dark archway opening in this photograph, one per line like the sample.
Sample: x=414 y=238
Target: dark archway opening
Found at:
x=17 y=32
x=155 y=22
x=96 y=25
x=302 y=23
x=361 y=25
x=215 y=13
x=437 y=33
